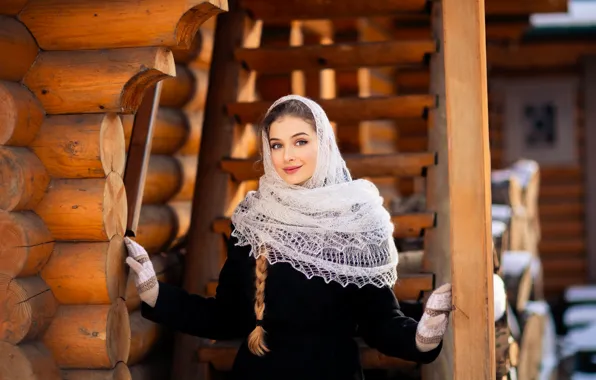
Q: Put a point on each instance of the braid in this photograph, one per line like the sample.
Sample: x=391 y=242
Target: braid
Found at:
x=256 y=339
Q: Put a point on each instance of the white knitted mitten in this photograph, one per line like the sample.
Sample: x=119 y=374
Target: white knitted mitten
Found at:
x=145 y=280
x=434 y=321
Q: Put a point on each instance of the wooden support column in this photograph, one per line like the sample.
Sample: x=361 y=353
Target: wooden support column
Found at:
x=590 y=141
x=202 y=261
x=458 y=249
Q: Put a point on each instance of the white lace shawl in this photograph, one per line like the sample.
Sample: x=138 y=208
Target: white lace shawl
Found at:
x=331 y=226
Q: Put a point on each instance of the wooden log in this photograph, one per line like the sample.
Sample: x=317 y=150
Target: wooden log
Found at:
x=26 y=308
x=369 y=165
x=182 y=210
x=89 y=336
x=17 y=43
x=92 y=81
x=30 y=361
x=187 y=89
x=157 y=227
x=516 y=271
x=23 y=179
x=120 y=372
x=73 y=24
x=187 y=54
x=87 y=273
x=81 y=146
x=26 y=243
x=170 y=132
x=531 y=345
x=347 y=110
x=280 y=60
x=178 y=91
x=144 y=336
x=91 y=209
x=163 y=181
x=21 y=114
x=189 y=165
x=193 y=141
x=167 y=269
x=313 y=9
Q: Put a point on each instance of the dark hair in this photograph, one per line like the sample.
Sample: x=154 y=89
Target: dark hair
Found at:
x=290 y=107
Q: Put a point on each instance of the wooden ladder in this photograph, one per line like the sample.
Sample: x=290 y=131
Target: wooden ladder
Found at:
x=227 y=164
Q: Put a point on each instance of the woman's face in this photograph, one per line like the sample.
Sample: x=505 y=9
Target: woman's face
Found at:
x=294 y=145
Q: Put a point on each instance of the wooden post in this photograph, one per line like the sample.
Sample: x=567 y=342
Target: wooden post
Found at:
x=590 y=141
x=210 y=200
x=458 y=190
x=139 y=152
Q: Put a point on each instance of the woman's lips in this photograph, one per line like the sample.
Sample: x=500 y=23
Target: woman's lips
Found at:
x=292 y=169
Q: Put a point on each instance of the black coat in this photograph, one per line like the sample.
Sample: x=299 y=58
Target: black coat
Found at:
x=310 y=324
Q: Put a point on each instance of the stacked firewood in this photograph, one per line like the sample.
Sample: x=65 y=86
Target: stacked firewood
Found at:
x=525 y=340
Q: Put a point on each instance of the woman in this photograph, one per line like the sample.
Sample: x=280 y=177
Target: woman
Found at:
x=311 y=264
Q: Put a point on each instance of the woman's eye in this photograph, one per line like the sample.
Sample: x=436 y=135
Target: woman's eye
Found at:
x=275 y=146
x=301 y=142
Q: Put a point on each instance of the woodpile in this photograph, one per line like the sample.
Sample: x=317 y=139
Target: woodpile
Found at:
x=67 y=310
x=526 y=334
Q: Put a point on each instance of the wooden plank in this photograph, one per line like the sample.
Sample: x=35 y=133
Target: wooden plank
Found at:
x=138 y=155
x=408 y=287
x=538 y=55
x=279 y=60
x=346 y=110
x=590 y=161
x=406 y=225
x=458 y=249
x=316 y=9
x=369 y=165
x=524 y=7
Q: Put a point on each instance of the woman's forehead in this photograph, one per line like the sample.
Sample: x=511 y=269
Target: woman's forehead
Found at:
x=288 y=126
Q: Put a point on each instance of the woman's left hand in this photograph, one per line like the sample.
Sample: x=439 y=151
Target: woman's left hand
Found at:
x=435 y=319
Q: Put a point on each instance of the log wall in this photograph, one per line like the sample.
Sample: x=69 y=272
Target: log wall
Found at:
x=68 y=308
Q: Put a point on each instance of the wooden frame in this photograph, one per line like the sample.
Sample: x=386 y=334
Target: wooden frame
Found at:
x=458 y=249
x=590 y=161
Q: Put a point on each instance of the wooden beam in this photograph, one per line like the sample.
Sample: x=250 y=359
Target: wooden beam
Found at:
x=406 y=225
x=348 y=109
x=138 y=155
x=368 y=165
x=316 y=9
x=523 y=7
x=279 y=60
x=538 y=55
x=458 y=249
x=590 y=161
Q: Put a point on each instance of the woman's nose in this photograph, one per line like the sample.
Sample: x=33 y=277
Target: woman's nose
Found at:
x=289 y=154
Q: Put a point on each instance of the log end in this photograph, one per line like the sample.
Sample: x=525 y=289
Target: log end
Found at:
x=27 y=362
x=195 y=17
x=23 y=179
x=27 y=307
x=17 y=43
x=115 y=210
x=118 y=332
x=112 y=148
x=21 y=115
x=26 y=243
x=117 y=270
x=163 y=66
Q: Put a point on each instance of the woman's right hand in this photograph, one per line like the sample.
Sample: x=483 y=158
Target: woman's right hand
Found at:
x=145 y=279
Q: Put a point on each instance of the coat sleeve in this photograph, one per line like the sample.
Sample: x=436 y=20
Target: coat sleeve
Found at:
x=384 y=327
x=228 y=315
